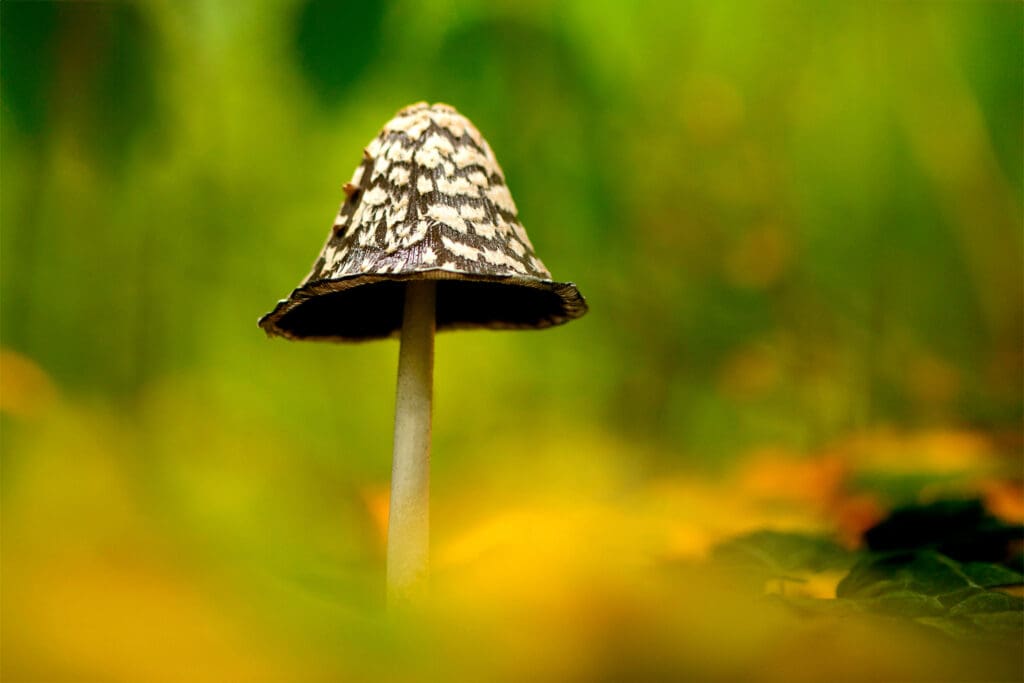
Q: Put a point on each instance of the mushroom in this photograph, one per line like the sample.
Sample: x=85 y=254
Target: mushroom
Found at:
x=428 y=238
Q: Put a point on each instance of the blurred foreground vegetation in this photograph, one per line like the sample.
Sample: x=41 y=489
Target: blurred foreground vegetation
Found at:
x=799 y=229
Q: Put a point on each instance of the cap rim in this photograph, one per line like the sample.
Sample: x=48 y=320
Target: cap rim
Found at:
x=573 y=305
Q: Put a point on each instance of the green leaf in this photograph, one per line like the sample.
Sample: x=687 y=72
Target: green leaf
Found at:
x=780 y=554
x=986 y=603
x=906 y=603
x=940 y=592
x=926 y=572
x=989 y=575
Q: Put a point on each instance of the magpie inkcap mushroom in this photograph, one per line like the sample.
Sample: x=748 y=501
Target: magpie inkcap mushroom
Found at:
x=427 y=239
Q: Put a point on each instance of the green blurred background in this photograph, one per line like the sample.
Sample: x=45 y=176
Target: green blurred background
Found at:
x=794 y=222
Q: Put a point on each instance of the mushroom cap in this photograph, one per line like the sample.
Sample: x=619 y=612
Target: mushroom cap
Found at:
x=428 y=202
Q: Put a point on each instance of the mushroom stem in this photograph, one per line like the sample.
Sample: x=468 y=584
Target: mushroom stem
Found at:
x=409 y=516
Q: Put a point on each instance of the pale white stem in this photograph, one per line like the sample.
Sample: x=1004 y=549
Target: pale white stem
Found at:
x=409 y=516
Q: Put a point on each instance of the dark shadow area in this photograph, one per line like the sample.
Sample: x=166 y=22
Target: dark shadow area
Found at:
x=375 y=310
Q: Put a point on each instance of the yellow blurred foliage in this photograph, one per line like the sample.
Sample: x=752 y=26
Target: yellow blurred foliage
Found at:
x=1004 y=498
x=712 y=108
x=127 y=618
x=940 y=451
x=750 y=372
x=933 y=381
x=376 y=499
x=577 y=561
x=759 y=257
x=25 y=389
x=821 y=585
x=93 y=588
